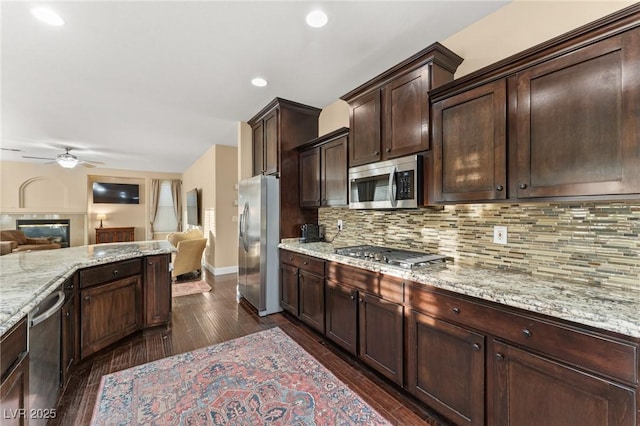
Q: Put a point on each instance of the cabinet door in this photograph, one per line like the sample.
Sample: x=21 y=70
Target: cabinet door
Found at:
x=365 y=129
x=271 y=139
x=157 y=290
x=310 y=178
x=14 y=395
x=584 y=141
x=258 y=149
x=68 y=337
x=381 y=328
x=289 y=288
x=312 y=299
x=532 y=390
x=342 y=315
x=109 y=312
x=446 y=368
x=469 y=145
x=334 y=176
x=406 y=114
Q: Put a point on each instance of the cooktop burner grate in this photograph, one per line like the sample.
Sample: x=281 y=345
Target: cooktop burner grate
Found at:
x=404 y=258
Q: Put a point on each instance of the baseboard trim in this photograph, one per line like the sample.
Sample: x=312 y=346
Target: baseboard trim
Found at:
x=221 y=271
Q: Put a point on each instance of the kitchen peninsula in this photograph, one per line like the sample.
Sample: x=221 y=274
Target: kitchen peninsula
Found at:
x=61 y=306
x=475 y=343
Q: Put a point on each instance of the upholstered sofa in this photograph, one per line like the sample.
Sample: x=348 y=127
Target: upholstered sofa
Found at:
x=190 y=245
x=12 y=241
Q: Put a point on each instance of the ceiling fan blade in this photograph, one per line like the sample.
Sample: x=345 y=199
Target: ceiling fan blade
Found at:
x=86 y=164
x=92 y=162
x=11 y=149
x=38 y=158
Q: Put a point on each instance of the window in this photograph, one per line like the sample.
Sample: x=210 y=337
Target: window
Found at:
x=165 y=217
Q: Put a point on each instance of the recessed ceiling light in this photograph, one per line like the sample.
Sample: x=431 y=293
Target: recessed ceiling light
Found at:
x=47 y=16
x=317 y=19
x=260 y=82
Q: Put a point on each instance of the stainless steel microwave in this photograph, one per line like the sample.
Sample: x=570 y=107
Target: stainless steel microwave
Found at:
x=391 y=184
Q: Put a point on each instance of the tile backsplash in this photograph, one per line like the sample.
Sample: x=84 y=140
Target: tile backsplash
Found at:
x=590 y=243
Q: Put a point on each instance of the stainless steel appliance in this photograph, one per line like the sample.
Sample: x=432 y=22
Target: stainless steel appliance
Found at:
x=403 y=258
x=44 y=356
x=259 y=235
x=387 y=184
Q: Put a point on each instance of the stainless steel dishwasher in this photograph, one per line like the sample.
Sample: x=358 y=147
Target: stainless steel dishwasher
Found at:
x=44 y=357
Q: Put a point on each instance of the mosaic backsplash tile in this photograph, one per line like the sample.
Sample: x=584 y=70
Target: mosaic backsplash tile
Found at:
x=589 y=243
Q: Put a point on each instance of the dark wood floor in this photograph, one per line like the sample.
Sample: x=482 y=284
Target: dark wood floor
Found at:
x=209 y=318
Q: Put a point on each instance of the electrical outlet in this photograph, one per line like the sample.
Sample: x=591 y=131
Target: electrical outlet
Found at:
x=500 y=234
x=340 y=225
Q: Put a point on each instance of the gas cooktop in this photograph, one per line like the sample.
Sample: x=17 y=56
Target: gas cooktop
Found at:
x=403 y=258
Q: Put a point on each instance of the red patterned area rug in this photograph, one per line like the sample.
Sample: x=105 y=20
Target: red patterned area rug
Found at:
x=190 y=287
x=259 y=379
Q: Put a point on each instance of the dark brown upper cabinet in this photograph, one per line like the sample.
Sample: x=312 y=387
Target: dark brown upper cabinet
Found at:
x=558 y=121
x=389 y=114
x=578 y=122
x=278 y=130
x=469 y=143
x=323 y=170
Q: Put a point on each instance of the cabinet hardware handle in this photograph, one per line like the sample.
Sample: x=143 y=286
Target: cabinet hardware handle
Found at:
x=68 y=314
x=352 y=297
x=476 y=347
x=115 y=272
x=456 y=310
x=305 y=263
x=87 y=298
x=291 y=258
x=388 y=149
x=361 y=300
x=499 y=356
x=527 y=333
x=499 y=188
x=523 y=186
x=150 y=263
x=376 y=153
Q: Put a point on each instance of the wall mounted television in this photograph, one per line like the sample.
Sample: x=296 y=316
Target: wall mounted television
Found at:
x=193 y=207
x=116 y=193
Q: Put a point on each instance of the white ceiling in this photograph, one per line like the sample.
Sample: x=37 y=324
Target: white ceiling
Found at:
x=150 y=86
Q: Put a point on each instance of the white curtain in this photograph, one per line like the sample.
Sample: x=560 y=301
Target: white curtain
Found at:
x=176 y=193
x=153 y=205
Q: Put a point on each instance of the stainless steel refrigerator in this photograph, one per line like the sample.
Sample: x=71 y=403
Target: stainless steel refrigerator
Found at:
x=259 y=235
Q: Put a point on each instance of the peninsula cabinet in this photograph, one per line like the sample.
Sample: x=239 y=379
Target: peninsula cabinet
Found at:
x=277 y=131
x=389 y=115
x=324 y=169
x=342 y=316
x=14 y=373
x=69 y=331
x=157 y=290
x=566 y=112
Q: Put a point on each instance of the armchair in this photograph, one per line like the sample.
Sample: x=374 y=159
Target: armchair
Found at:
x=190 y=245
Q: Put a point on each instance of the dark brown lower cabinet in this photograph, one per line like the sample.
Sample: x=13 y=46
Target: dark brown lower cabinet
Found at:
x=68 y=338
x=14 y=395
x=445 y=368
x=289 y=288
x=157 y=290
x=109 y=312
x=311 y=288
x=381 y=336
x=342 y=316
x=532 y=390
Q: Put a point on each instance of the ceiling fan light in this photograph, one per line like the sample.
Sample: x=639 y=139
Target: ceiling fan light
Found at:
x=67 y=161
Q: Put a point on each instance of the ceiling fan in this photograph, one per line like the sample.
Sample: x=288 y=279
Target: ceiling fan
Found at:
x=67 y=160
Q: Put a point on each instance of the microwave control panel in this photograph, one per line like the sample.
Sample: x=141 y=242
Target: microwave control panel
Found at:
x=404 y=185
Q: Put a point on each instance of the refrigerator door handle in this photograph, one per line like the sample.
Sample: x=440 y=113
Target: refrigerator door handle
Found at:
x=243 y=227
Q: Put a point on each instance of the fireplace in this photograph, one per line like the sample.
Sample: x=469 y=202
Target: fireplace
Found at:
x=57 y=230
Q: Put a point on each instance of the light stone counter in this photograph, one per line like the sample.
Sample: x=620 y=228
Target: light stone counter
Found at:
x=26 y=278
x=610 y=309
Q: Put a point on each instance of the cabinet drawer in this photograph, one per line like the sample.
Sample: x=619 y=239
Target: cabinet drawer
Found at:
x=391 y=289
x=354 y=277
x=308 y=263
x=110 y=272
x=590 y=351
x=13 y=346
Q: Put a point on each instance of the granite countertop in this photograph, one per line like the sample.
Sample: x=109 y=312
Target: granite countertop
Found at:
x=26 y=278
x=605 y=308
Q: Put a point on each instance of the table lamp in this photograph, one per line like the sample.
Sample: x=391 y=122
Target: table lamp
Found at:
x=101 y=217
